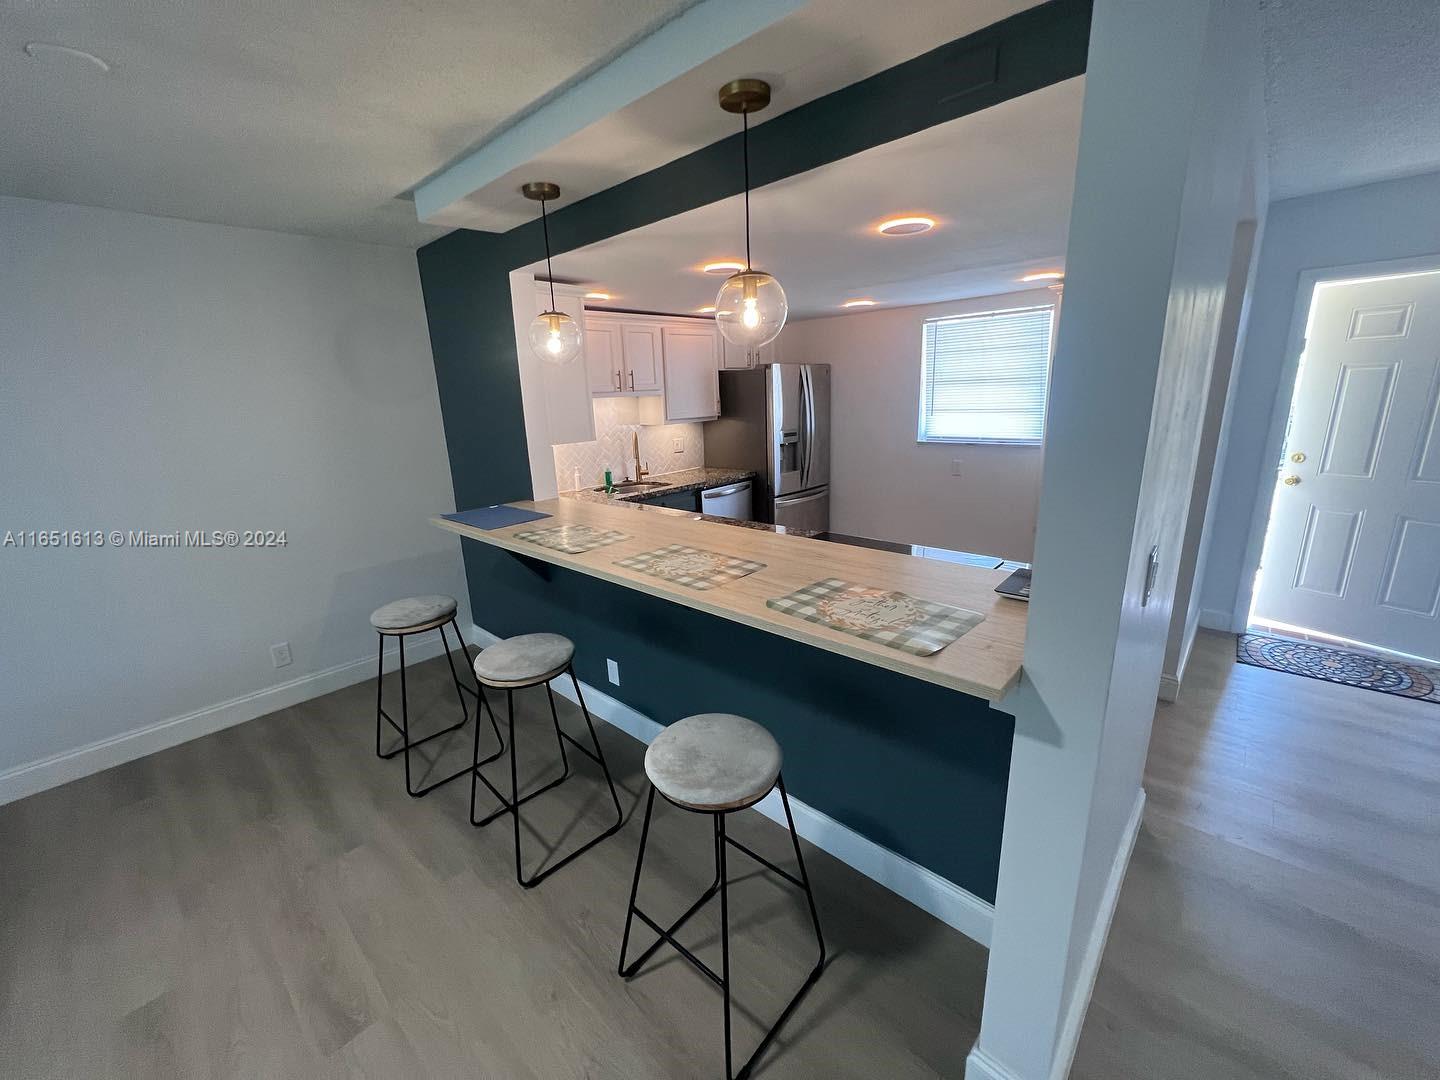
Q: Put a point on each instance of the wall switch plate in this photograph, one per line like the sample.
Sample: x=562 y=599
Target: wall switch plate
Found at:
x=679 y=444
x=280 y=654
x=955 y=467
x=612 y=669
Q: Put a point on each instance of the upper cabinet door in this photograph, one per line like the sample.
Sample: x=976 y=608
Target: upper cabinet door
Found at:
x=692 y=380
x=766 y=354
x=643 y=369
x=733 y=356
x=604 y=356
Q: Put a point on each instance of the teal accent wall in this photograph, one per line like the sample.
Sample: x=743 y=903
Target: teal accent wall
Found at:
x=917 y=768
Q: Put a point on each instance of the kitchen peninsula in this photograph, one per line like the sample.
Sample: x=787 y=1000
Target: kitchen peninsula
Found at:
x=983 y=662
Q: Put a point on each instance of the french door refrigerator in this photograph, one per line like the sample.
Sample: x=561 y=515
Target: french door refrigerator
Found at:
x=775 y=419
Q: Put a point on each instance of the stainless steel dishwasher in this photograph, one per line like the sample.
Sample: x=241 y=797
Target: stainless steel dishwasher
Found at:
x=730 y=501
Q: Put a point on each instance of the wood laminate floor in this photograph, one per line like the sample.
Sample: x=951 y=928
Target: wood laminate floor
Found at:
x=267 y=902
x=1281 y=916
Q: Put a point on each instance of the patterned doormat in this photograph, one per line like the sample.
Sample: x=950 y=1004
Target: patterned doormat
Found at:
x=1346 y=666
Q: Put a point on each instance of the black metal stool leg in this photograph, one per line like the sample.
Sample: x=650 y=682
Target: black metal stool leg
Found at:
x=635 y=885
x=666 y=935
x=512 y=804
x=599 y=754
x=725 y=939
x=405 y=745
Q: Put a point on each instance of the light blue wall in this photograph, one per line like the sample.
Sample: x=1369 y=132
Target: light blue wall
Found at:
x=1397 y=219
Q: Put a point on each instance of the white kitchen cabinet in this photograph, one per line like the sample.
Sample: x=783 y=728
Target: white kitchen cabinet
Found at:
x=604 y=356
x=692 y=380
x=564 y=388
x=642 y=348
x=734 y=357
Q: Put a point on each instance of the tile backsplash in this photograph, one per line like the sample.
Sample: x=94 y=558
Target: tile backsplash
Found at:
x=614 y=426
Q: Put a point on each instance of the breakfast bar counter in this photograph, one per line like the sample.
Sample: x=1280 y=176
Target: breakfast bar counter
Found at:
x=983 y=662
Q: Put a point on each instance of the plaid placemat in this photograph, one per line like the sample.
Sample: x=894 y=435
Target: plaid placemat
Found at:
x=694 y=567
x=572 y=539
x=908 y=623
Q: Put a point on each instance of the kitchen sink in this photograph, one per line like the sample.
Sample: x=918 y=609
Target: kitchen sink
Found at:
x=632 y=485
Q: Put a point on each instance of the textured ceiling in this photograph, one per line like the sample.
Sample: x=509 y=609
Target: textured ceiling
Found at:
x=826 y=45
x=306 y=117
x=1352 y=91
x=999 y=181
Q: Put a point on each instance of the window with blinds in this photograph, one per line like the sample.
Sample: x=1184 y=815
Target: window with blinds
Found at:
x=984 y=377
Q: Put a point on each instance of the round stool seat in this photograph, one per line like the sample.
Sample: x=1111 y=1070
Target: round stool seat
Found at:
x=413 y=613
x=714 y=761
x=524 y=660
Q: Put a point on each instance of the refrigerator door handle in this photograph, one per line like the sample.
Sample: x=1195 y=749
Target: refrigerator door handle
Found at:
x=805 y=426
x=801 y=500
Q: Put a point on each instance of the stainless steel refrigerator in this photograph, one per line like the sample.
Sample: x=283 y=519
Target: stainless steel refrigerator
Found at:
x=775 y=419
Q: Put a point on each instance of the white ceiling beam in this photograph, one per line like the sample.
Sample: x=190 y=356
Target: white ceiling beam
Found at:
x=685 y=42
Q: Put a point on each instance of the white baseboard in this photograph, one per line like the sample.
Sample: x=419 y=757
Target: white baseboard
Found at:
x=1215 y=619
x=61 y=768
x=927 y=890
x=980 y=1065
x=1169 y=688
x=1095 y=948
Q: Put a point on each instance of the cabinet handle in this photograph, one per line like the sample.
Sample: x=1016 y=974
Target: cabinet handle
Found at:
x=618 y=384
x=632 y=380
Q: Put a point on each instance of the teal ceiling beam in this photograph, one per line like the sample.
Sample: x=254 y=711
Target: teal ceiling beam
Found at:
x=683 y=43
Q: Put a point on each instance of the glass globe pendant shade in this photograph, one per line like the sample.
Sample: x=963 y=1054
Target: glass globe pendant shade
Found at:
x=750 y=308
x=555 y=337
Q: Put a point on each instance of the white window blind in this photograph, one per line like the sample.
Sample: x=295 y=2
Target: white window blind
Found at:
x=984 y=377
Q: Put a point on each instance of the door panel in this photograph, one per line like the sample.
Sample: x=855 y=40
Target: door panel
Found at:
x=1357 y=420
x=642 y=355
x=692 y=381
x=1353 y=547
x=604 y=356
x=1412 y=574
x=1327 y=551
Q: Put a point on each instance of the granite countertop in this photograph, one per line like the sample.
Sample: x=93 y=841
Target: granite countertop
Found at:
x=684 y=480
x=669 y=484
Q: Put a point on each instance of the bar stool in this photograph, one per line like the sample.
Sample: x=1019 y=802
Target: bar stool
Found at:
x=717 y=763
x=400 y=619
x=518 y=663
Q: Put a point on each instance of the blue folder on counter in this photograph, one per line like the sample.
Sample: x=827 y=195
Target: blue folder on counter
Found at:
x=495 y=517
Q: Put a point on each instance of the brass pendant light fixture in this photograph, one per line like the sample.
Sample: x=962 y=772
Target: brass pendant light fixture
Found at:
x=554 y=336
x=750 y=308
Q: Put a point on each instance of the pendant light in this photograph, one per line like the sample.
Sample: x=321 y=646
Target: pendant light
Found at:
x=750 y=308
x=554 y=336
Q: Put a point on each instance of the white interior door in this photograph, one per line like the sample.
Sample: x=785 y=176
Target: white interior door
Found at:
x=1353 y=547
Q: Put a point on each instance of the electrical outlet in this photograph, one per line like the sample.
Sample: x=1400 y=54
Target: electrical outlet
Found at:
x=955 y=467
x=280 y=654
x=678 y=443
x=612 y=669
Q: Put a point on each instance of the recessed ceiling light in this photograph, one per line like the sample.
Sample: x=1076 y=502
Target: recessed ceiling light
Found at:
x=726 y=267
x=598 y=296
x=1045 y=275
x=37 y=49
x=708 y=309
x=905 y=226
x=859 y=302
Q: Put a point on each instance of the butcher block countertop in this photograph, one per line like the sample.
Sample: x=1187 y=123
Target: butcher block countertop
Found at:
x=985 y=662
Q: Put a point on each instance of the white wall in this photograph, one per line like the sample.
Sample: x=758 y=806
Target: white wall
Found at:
x=161 y=375
x=1172 y=122
x=885 y=484
x=1394 y=220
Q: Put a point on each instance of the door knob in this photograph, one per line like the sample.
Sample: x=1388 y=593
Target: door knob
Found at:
x=1298 y=457
x=1291 y=481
